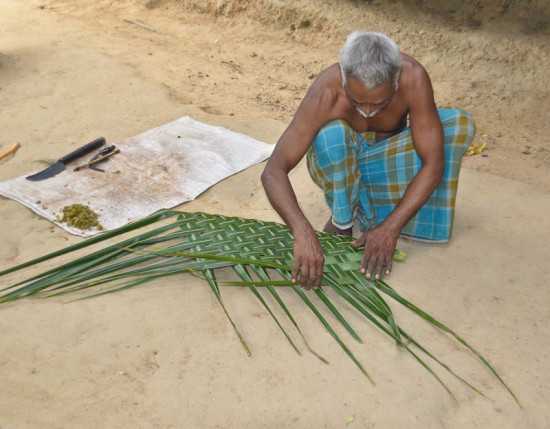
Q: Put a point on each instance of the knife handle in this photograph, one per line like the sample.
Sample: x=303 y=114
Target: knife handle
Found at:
x=81 y=151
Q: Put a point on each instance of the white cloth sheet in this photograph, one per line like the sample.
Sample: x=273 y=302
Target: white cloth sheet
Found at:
x=161 y=168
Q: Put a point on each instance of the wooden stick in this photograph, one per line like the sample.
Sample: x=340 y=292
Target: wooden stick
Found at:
x=10 y=150
x=142 y=25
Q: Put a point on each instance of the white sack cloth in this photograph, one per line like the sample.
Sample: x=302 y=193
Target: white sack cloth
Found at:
x=161 y=168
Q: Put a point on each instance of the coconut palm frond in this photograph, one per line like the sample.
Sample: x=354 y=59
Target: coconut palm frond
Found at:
x=259 y=254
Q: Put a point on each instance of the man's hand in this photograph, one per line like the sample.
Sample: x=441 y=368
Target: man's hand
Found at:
x=379 y=245
x=308 y=260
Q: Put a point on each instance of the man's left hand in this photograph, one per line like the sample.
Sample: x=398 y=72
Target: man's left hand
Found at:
x=379 y=245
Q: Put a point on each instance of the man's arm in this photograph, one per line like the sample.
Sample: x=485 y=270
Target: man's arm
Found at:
x=290 y=149
x=427 y=136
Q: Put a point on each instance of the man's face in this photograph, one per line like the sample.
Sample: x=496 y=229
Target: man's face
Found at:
x=369 y=103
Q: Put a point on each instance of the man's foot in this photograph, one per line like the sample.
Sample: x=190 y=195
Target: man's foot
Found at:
x=329 y=227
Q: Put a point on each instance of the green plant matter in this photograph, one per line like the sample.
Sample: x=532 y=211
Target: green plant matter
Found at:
x=81 y=217
x=260 y=255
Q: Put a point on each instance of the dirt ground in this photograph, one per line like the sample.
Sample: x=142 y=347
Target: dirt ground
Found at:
x=256 y=59
x=71 y=70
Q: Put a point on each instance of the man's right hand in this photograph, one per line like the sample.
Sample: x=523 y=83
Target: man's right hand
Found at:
x=308 y=260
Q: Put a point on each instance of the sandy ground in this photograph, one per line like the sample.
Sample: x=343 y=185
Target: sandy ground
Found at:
x=163 y=356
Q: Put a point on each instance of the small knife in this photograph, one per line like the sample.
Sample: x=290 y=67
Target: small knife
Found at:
x=58 y=166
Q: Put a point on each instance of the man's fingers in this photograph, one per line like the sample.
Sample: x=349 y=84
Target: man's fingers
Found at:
x=389 y=265
x=304 y=276
x=379 y=268
x=296 y=270
x=319 y=273
x=308 y=271
x=371 y=267
x=365 y=261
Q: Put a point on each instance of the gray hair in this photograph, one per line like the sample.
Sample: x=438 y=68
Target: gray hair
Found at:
x=373 y=58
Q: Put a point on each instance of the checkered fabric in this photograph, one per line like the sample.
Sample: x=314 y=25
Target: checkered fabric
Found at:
x=364 y=180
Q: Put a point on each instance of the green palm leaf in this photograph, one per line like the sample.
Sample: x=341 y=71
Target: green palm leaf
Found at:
x=199 y=244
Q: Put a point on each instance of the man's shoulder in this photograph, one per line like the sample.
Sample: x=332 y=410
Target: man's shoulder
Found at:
x=413 y=74
x=326 y=89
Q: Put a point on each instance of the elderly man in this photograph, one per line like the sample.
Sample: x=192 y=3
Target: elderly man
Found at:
x=382 y=153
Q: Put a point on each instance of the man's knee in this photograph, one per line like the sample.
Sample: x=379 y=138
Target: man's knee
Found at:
x=333 y=142
x=466 y=122
x=458 y=126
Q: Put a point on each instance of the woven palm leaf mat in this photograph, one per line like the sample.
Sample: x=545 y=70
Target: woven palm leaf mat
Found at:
x=235 y=237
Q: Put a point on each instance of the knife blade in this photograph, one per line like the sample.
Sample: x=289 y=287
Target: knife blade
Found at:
x=58 y=166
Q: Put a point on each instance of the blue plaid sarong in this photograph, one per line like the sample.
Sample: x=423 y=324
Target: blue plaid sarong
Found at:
x=364 y=180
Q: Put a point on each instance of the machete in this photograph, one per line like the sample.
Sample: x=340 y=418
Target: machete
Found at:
x=58 y=166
